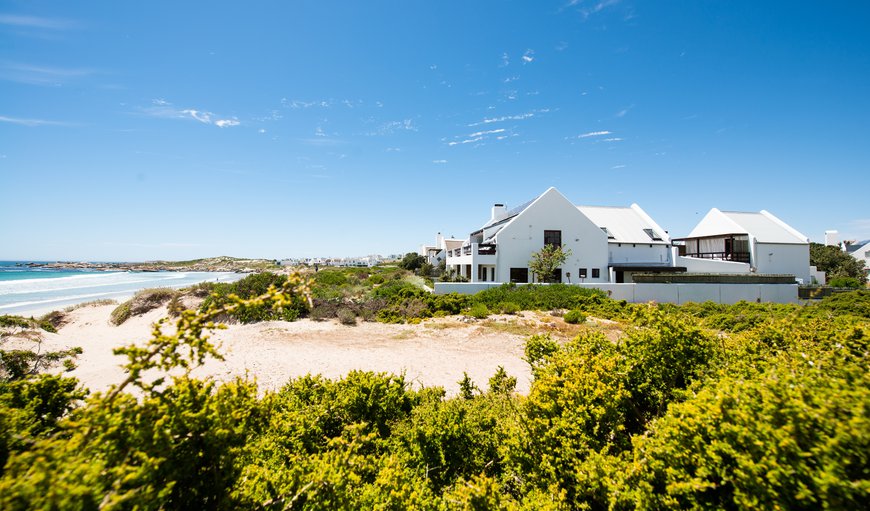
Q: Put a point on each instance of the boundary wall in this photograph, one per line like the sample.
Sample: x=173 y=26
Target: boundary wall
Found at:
x=662 y=293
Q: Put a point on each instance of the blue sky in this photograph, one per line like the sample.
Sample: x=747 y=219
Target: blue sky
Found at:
x=146 y=130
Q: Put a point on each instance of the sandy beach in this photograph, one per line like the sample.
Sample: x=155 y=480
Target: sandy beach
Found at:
x=436 y=352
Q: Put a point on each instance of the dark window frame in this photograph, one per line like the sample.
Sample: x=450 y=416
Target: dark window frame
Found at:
x=553 y=237
x=515 y=275
x=596 y=273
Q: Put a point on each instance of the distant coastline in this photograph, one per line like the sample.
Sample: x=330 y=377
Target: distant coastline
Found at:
x=213 y=264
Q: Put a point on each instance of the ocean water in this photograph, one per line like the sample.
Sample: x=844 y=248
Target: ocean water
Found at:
x=30 y=291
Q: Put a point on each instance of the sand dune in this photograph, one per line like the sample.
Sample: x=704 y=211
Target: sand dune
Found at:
x=433 y=353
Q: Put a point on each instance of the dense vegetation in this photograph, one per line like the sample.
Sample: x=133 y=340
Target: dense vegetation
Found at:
x=686 y=409
x=841 y=269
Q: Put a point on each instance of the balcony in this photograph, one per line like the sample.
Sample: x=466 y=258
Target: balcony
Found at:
x=471 y=253
x=737 y=257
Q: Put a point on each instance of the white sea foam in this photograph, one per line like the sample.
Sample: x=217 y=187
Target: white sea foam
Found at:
x=31 y=294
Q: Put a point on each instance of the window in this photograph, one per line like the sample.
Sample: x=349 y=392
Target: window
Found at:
x=582 y=273
x=557 y=275
x=610 y=236
x=652 y=235
x=519 y=275
x=553 y=238
x=596 y=273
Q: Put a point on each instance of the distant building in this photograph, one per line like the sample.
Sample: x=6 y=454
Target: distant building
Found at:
x=739 y=242
x=860 y=250
x=607 y=244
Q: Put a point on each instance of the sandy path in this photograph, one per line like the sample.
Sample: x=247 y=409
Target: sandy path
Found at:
x=273 y=352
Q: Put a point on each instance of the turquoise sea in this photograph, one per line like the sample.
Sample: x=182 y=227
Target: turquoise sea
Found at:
x=28 y=291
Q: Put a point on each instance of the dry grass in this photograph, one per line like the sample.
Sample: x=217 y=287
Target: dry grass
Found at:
x=92 y=303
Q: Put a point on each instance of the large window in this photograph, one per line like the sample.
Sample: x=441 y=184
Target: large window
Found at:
x=520 y=275
x=596 y=273
x=553 y=238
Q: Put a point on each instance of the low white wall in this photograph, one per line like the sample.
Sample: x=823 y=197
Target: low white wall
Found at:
x=698 y=265
x=663 y=293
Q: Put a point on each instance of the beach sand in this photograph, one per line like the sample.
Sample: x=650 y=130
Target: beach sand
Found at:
x=434 y=353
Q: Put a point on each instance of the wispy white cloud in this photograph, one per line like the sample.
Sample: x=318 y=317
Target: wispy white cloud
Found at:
x=226 y=123
x=33 y=122
x=24 y=21
x=613 y=139
x=617 y=167
x=529 y=56
x=518 y=117
x=40 y=75
x=505 y=60
x=593 y=134
x=587 y=9
x=624 y=111
x=465 y=141
x=297 y=104
x=479 y=136
x=490 y=132
x=390 y=127
x=203 y=117
x=300 y=104
x=439 y=161
x=163 y=109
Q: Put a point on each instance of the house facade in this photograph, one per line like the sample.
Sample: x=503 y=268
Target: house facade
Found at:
x=635 y=242
x=501 y=249
x=745 y=242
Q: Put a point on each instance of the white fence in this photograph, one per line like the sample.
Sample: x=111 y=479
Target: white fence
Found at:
x=663 y=293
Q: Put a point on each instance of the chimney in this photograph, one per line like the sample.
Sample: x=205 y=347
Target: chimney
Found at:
x=498 y=212
x=832 y=238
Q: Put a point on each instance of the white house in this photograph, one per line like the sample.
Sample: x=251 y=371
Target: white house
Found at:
x=635 y=242
x=743 y=242
x=860 y=250
x=437 y=253
x=500 y=250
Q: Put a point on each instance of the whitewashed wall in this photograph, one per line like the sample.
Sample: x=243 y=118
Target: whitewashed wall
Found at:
x=524 y=235
x=696 y=265
x=666 y=293
x=637 y=253
x=783 y=258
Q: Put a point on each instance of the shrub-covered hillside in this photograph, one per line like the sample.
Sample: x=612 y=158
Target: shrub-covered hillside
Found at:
x=683 y=410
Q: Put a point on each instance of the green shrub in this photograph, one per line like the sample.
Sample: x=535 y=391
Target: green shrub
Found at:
x=143 y=301
x=55 y=318
x=376 y=279
x=346 y=317
x=201 y=289
x=508 y=308
x=537 y=297
x=850 y=282
x=502 y=383
x=479 y=311
x=120 y=314
x=574 y=317
x=252 y=286
x=10 y=321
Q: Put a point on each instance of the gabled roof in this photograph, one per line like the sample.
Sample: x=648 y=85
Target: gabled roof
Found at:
x=626 y=225
x=509 y=215
x=763 y=226
x=858 y=245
